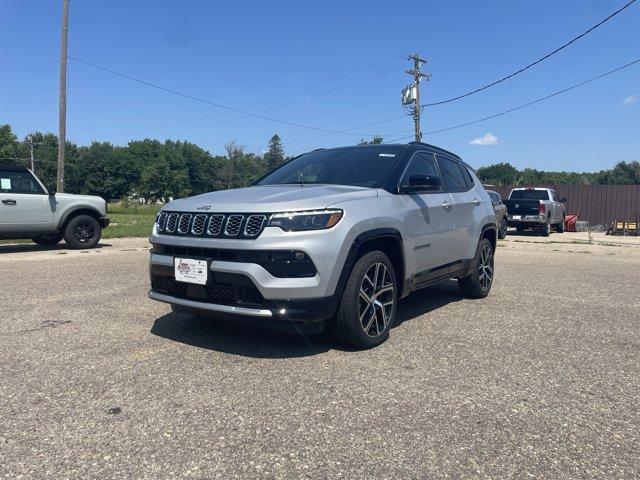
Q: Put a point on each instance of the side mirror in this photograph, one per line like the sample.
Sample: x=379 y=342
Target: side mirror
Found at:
x=52 y=191
x=563 y=200
x=421 y=182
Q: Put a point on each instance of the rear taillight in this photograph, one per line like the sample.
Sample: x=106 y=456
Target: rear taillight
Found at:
x=541 y=208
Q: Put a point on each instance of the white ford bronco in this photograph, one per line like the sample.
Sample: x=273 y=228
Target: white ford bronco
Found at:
x=29 y=210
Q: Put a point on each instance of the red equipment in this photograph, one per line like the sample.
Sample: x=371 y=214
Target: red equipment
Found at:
x=570 y=222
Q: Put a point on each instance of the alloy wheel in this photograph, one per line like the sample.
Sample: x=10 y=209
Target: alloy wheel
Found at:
x=84 y=232
x=485 y=268
x=376 y=299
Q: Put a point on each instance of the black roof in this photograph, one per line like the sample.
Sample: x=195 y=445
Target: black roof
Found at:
x=14 y=168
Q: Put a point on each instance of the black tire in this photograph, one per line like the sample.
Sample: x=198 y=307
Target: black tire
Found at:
x=47 y=240
x=560 y=227
x=502 y=233
x=546 y=228
x=82 y=231
x=520 y=229
x=475 y=285
x=378 y=311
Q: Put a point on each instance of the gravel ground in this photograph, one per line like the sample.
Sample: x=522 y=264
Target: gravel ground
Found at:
x=540 y=379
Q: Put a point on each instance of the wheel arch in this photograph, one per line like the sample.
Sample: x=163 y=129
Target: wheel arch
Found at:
x=388 y=241
x=490 y=232
x=74 y=212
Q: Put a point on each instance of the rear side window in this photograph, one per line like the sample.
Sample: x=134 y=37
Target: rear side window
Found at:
x=468 y=177
x=18 y=182
x=422 y=163
x=454 y=178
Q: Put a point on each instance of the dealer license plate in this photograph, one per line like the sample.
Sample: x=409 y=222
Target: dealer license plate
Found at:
x=189 y=270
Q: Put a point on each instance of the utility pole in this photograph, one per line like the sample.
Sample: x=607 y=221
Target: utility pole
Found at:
x=411 y=93
x=62 y=120
x=31 y=153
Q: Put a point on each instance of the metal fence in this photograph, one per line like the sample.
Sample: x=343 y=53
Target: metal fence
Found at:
x=597 y=204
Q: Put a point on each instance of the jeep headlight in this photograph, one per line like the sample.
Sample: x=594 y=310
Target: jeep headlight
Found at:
x=309 y=220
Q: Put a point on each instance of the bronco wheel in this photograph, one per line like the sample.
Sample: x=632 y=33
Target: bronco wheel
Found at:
x=369 y=301
x=502 y=233
x=478 y=283
x=82 y=231
x=47 y=240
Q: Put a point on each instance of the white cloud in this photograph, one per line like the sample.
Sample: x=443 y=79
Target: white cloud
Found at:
x=629 y=100
x=487 y=139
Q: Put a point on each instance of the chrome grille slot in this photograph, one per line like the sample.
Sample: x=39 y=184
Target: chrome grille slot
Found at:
x=254 y=225
x=183 y=225
x=234 y=222
x=198 y=224
x=215 y=225
x=161 y=221
x=172 y=222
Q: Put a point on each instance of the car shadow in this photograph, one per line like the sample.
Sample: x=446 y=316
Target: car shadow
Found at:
x=34 y=247
x=250 y=341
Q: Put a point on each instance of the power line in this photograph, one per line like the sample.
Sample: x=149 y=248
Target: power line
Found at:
x=215 y=104
x=511 y=75
x=546 y=97
x=277 y=97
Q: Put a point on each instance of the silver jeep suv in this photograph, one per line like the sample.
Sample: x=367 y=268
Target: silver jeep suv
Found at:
x=334 y=236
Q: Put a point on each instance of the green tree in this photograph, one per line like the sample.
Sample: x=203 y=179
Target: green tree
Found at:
x=275 y=155
x=376 y=140
x=498 y=174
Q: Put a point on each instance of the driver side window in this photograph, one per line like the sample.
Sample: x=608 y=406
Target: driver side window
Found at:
x=422 y=163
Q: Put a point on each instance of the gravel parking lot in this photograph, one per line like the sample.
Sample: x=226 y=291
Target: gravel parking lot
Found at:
x=541 y=379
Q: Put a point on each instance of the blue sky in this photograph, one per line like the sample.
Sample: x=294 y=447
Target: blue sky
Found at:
x=324 y=63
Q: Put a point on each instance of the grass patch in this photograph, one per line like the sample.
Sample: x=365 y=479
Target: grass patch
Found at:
x=129 y=225
x=134 y=208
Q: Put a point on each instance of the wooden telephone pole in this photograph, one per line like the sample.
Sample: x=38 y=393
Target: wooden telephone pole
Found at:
x=62 y=119
x=411 y=94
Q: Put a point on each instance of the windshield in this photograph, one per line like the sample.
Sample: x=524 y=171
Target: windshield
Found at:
x=362 y=167
x=529 y=195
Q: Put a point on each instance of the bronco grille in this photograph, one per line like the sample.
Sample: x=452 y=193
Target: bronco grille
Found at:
x=218 y=225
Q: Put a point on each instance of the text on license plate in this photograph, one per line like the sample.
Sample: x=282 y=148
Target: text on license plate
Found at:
x=516 y=217
x=190 y=271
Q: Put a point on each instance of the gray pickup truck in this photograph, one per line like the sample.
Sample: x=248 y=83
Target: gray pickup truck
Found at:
x=539 y=209
x=29 y=210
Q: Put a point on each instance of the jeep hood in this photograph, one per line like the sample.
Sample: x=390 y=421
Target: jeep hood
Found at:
x=271 y=198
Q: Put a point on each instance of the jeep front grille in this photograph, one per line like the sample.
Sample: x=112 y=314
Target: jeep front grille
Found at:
x=172 y=221
x=254 y=224
x=198 y=224
x=234 y=222
x=185 y=221
x=211 y=225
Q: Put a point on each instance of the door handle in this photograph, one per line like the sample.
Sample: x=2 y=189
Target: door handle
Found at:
x=447 y=205
x=9 y=202
x=476 y=202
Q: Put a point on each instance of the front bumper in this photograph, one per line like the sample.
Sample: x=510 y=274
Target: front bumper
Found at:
x=233 y=294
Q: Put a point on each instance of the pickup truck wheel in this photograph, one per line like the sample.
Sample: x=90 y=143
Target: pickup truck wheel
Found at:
x=520 y=229
x=369 y=301
x=478 y=283
x=82 y=231
x=560 y=226
x=47 y=240
x=546 y=228
x=502 y=233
